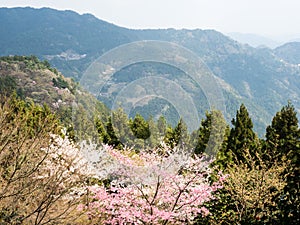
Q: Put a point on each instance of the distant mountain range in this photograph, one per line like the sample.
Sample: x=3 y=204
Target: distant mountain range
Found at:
x=261 y=41
x=255 y=40
x=262 y=78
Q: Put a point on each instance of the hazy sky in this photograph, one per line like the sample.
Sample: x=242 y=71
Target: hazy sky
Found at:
x=265 y=17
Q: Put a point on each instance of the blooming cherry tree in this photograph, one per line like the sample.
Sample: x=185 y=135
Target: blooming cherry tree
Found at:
x=158 y=187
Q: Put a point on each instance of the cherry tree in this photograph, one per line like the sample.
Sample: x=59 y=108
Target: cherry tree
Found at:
x=165 y=186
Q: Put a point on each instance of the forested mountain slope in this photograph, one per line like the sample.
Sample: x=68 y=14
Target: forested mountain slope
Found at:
x=263 y=79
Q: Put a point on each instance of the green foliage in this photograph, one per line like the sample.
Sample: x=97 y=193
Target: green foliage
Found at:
x=263 y=184
x=242 y=135
x=249 y=193
x=177 y=136
x=110 y=138
x=31 y=62
x=162 y=125
x=103 y=135
x=283 y=142
x=211 y=134
x=60 y=83
x=155 y=136
x=282 y=136
x=7 y=85
x=255 y=192
x=140 y=127
x=34 y=116
x=255 y=75
x=203 y=134
x=223 y=156
x=34 y=80
x=121 y=127
x=107 y=134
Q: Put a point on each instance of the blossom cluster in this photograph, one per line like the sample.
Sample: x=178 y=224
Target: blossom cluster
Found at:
x=152 y=188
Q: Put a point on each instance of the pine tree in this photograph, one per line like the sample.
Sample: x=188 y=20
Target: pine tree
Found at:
x=242 y=135
x=155 y=137
x=211 y=133
x=283 y=142
x=111 y=138
x=181 y=134
x=140 y=127
x=162 y=125
x=169 y=137
x=121 y=126
x=178 y=136
x=103 y=136
x=282 y=136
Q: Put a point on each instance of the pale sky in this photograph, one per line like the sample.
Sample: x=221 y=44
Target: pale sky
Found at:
x=264 y=17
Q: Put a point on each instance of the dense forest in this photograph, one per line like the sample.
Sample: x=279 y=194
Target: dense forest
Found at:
x=60 y=164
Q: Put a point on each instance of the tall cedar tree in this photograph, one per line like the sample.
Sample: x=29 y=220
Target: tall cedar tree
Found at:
x=140 y=127
x=178 y=136
x=282 y=136
x=110 y=138
x=155 y=136
x=283 y=142
x=162 y=125
x=211 y=134
x=242 y=135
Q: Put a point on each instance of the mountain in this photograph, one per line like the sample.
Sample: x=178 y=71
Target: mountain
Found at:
x=61 y=37
x=254 y=40
x=289 y=52
x=261 y=78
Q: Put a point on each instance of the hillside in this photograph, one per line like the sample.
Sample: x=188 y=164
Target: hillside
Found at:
x=290 y=52
x=261 y=78
x=35 y=81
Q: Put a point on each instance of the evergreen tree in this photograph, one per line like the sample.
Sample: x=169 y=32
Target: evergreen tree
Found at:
x=224 y=157
x=140 y=127
x=162 y=125
x=182 y=137
x=111 y=138
x=177 y=136
x=8 y=85
x=121 y=126
x=242 y=135
x=211 y=133
x=155 y=137
x=83 y=125
x=283 y=142
x=103 y=135
x=282 y=136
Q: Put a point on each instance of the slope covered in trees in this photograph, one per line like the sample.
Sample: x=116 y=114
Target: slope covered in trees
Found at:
x=36 y=81
x=142 y=170
x=153 y=183
x=262 y=79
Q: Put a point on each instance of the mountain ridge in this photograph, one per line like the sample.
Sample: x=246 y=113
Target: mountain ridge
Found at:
x=259 y=77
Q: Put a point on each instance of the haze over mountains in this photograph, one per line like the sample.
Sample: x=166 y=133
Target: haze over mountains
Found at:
x=262 y=41
x=255 y=40
x=262 y=78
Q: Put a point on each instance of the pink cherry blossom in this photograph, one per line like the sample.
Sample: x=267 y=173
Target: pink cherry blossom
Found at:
x=153 y=188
